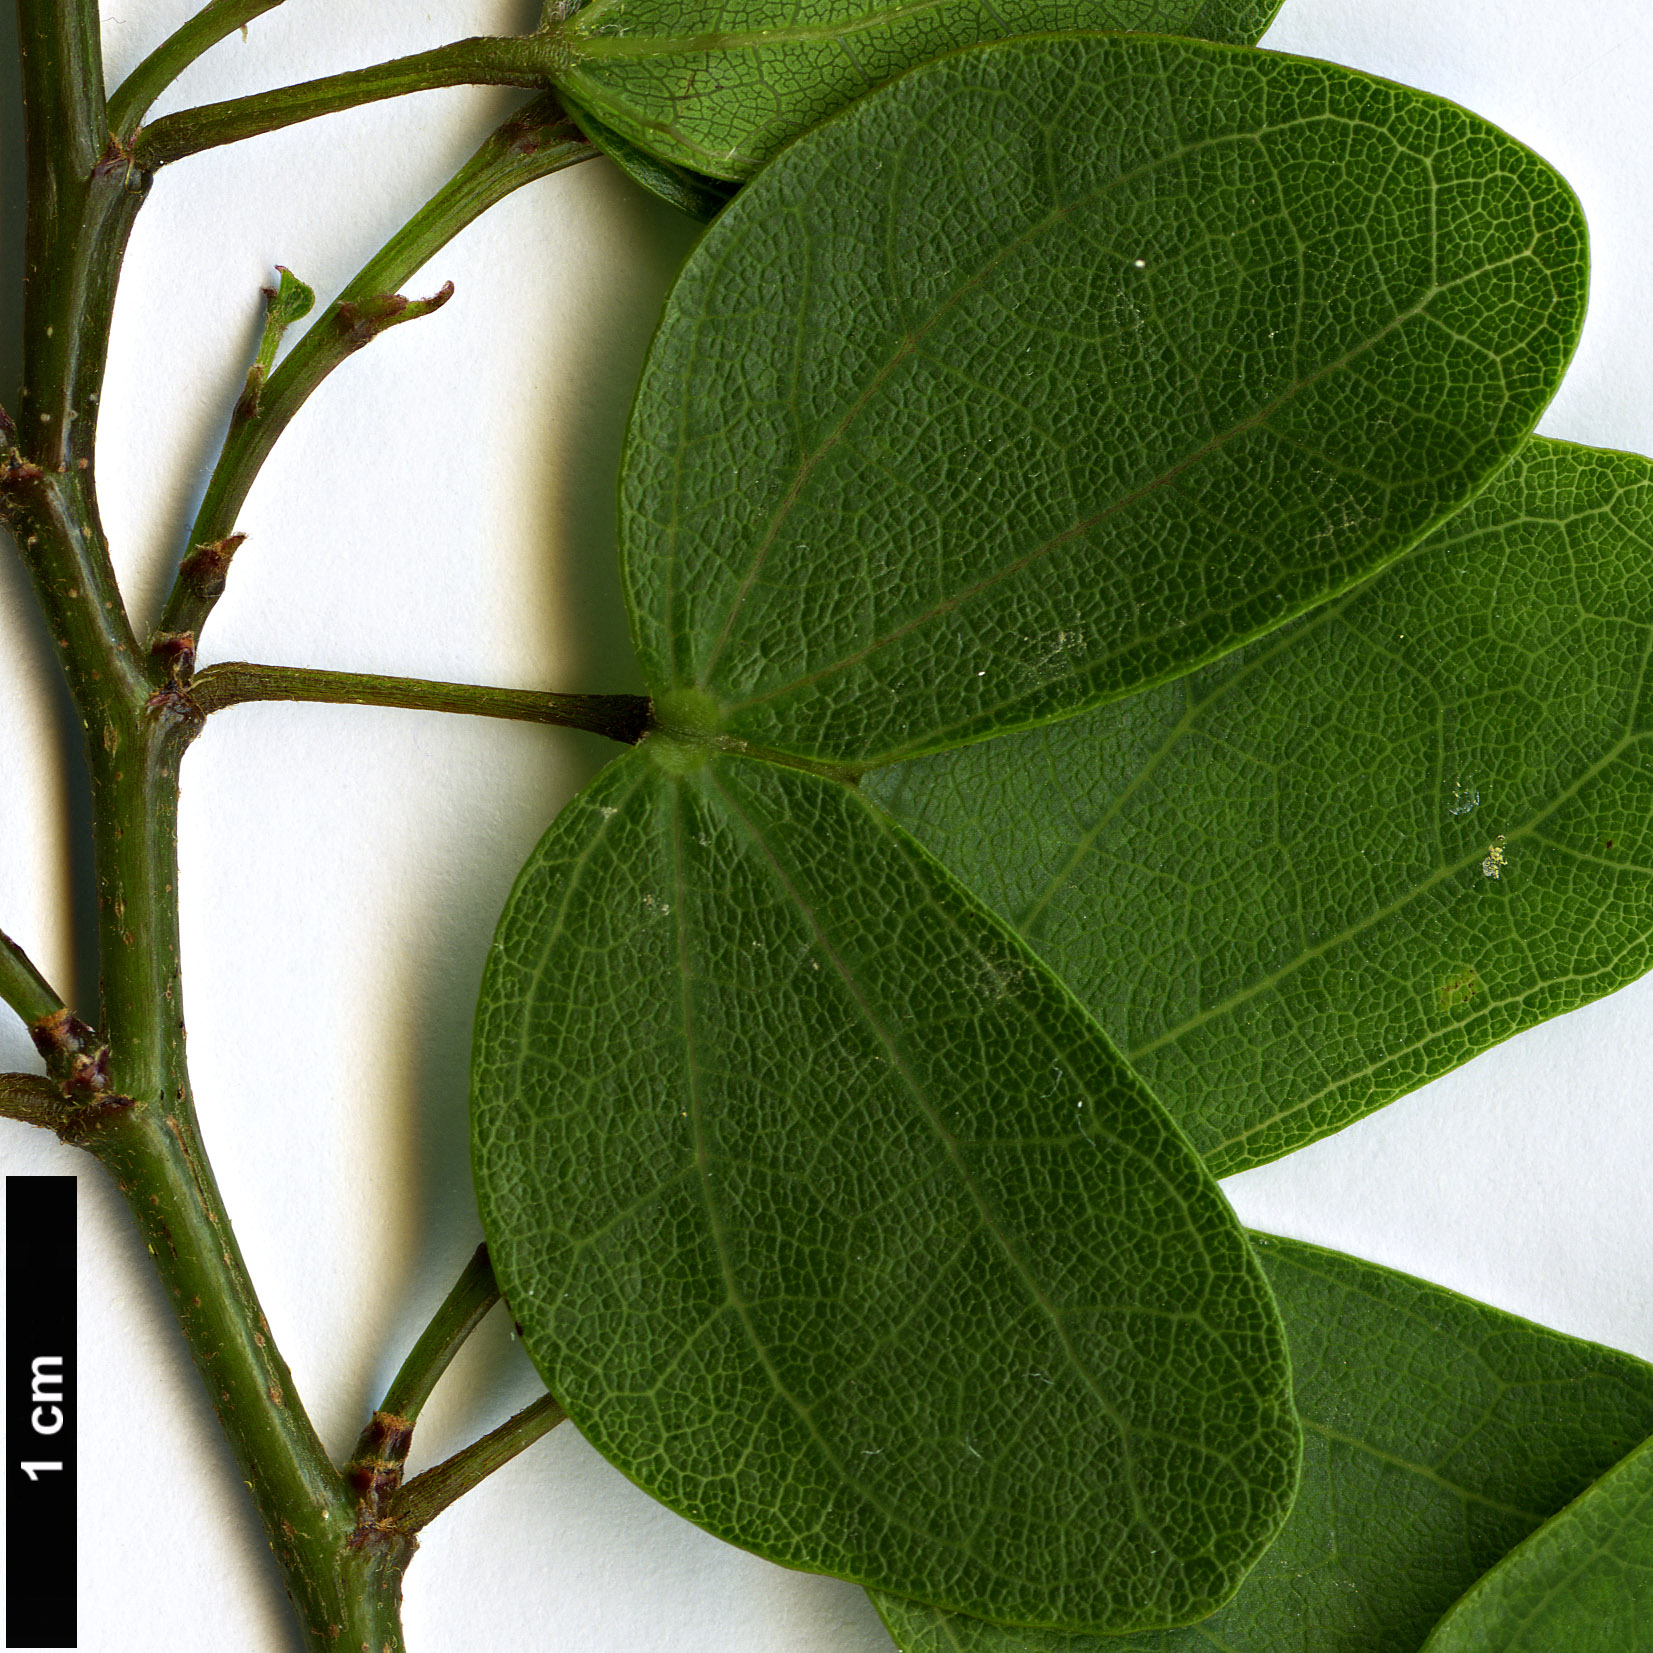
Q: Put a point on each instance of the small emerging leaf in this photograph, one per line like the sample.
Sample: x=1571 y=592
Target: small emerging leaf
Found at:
x=839 y=1228
x=720 y=85
x=1438 y=1433
x=289 y=301
x=1058 y=367
x=1581 y=1584
x=1337 y=864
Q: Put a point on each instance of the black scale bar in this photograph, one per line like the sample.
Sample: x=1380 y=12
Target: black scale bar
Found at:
x=40 y=1412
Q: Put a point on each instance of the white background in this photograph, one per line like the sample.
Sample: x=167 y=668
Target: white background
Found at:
x=444 y=508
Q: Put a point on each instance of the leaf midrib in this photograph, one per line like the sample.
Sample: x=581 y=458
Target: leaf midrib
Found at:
x=1214 y=444
x=1560 y=1591
x=589 y=46
x=1447 y=871
x=909 y=343
x=1231 y=683
x=1195 y=709
x=1422 y=1471
x=975 y=720
x=949 y=1143
x=733 y=1298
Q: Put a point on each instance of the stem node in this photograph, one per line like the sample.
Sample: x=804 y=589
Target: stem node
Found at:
x=205 y=571
x=361 y=322
x=426 y=1496
x=16 y=471
x=175 y=707
x=81 y=1124
x=174 y=653
x=31 y=1100
x=74 y=1055
x=117 y=159
x=374 y=1472
x=536 y=141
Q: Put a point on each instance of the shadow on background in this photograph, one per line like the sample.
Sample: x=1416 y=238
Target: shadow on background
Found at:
x=580 y=603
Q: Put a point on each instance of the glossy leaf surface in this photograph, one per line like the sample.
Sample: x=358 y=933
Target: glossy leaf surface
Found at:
x=1581 y=1584
x=1060 y=366
x=1438 y=1432
x=721 y=85
x=1308 y=879
x=837 y=1226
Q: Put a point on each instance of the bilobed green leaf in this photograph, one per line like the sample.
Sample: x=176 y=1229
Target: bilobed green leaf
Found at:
x=1237 y=22
x=838 y=1227
x=1060 y=366
x=1437 y=1432
x=1306 y=880
x=721 y=85
x=1583 y=1583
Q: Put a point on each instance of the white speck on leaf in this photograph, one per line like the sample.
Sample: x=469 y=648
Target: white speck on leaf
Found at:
x=999 y=979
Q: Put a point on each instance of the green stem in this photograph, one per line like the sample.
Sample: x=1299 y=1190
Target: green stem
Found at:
x=62 y=60
x=81 y=204
x=124 y=1094
x=462 y=1311
x=346 y=1593
x=141 y=1126
x=621 y=717
x=482 y=61
x=127 y=1101
x=131 y=101
x=54 y=521
x=375 y=1467
x=154 y=1153
x=22 y=986
x=535 y=142
x=426 y=1496
x=153 y=1149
